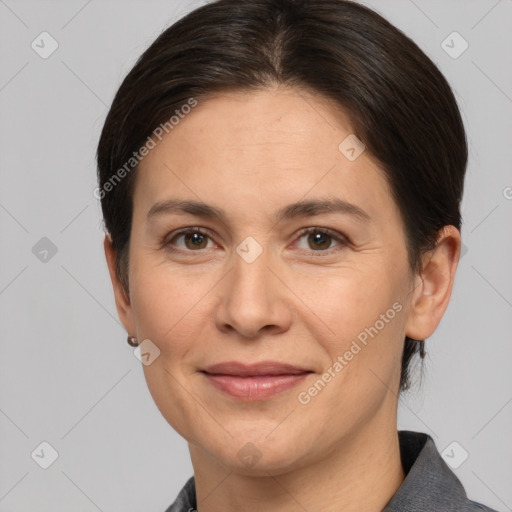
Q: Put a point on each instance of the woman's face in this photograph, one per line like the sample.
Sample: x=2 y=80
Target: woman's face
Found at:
x=252 y=286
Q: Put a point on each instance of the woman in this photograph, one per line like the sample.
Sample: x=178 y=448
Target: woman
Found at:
x=280 y=182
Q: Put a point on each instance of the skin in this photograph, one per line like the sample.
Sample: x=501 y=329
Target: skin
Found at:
x=251 y=154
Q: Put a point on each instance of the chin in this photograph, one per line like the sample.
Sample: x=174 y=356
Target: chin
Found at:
x=258 y=453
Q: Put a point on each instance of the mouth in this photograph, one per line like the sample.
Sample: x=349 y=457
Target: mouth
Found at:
x=259 y=381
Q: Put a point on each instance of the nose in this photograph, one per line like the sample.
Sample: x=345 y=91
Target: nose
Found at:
x=255 y=299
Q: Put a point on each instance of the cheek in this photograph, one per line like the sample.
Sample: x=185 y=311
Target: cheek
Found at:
x=361 y=328
x=351 y=300
x=169 y=312
x=363 y=353
x=166 y=303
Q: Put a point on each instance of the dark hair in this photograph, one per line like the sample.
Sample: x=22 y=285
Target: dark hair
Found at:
x=399 y=103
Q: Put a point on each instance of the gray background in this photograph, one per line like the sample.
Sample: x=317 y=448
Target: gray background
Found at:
x=67 y=375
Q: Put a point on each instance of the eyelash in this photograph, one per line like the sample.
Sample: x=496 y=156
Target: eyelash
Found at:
x=342 y=240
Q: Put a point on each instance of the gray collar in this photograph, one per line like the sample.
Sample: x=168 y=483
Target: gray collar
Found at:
x=429 y=483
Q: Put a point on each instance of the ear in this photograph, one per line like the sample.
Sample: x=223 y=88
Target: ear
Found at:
x=124 y=309
x=433 y=287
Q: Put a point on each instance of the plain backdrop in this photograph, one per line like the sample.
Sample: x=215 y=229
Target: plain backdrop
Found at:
x=68 y=377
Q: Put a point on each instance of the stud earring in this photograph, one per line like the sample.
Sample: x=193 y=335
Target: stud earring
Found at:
x=132 y=340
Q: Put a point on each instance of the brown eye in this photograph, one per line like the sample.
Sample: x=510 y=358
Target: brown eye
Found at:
x=320 y=240
x=194 y=239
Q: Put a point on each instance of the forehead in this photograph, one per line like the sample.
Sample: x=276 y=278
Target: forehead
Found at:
x=267 y=145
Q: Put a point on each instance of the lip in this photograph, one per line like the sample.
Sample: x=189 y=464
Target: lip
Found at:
x=259 y=381
x=238 y=369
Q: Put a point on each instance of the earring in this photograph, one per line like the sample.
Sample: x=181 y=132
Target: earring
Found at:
x=132 y=340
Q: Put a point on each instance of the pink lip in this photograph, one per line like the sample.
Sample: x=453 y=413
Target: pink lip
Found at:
x=256 y=381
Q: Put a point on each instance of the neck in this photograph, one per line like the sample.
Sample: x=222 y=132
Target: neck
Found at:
x=360 y=474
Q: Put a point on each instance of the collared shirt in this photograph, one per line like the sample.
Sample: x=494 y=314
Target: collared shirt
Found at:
x=429 y=485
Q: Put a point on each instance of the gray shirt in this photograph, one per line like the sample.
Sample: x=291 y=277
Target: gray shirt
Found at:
x=429 y=485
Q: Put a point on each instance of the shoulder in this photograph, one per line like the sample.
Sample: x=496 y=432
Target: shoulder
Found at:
x=186 y=499
x=473 y=506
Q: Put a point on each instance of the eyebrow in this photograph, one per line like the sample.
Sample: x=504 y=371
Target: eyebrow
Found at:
x=299 y=209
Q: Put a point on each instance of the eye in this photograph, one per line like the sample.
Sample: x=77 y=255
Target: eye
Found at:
x=193 y=239
x=320 y=239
